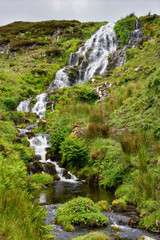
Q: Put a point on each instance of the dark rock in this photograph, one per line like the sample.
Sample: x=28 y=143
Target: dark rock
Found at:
x=56 y=178
x=68 y=176
x=50 y=168
x=38 y=157
x=36 y=167
x=65 y=172
x=133 y=222
x=49 y=154
x=42 y=123
x=30 y=134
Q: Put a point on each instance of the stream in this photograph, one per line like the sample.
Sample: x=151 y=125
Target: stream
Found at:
x=94 y=53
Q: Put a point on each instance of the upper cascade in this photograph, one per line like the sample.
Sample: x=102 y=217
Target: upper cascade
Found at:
x=90 y=59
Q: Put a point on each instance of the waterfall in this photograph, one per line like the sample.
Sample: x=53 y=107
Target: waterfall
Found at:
x=24 y=106
x=40 y=142
x=90 y=59
x=41 y=105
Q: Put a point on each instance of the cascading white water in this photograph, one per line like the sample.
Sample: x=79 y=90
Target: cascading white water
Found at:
x=60 y=174
x=98 y=47
x=94 y=57
x=24 y=106
x=61 y=79
x=41 y=105
x=40 y=142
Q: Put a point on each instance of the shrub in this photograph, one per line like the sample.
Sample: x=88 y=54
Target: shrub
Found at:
x=74 y=153
x=57 y=137
x=87 y=94
x=39 y=180
x=123 y=28
x=81 y=211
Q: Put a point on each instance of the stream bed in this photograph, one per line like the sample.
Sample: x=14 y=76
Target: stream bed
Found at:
x=62 y=191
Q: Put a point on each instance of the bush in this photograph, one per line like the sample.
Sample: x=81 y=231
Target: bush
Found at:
x=57 y=137
x=39 y=180
x=74 y=153
x=87 y=94
x=81 y=211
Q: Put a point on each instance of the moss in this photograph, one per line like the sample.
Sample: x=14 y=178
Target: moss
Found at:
x=103 y=205
x=93 y=236
x=119 y=205
x=81 y=211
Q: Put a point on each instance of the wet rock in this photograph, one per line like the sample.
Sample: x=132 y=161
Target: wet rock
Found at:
x=36 y=167
x=30 y=134
x=133 y=221
x=56 y=177
x=146 y=238
x=115 y=228
x=42 y=123
x=50 y=168
x=38 y=157
x=49 y=154
x=119 y=205
x=68 y=176
x=65 y=172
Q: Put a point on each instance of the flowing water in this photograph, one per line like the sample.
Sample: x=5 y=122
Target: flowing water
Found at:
x=90 y=59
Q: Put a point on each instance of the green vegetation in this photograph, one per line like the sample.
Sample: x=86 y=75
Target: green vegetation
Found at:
x=81 y=211
x=115 y=144
x=74 y=153
x=39 y=180
x=31 y=55
x=123 y=28
x=93 y=236
x=122 y=134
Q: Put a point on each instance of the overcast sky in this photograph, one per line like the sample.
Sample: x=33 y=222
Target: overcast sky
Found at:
x=82 y=10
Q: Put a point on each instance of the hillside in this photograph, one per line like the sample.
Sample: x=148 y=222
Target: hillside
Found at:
x=114 y=143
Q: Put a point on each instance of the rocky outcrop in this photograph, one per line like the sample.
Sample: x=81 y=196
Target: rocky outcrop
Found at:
x=102 y=91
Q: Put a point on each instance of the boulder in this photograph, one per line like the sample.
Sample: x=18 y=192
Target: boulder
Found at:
x=133 y=221
x=103 y=205
x=56 y=177
x=35 y=167
x=48 y=154
x=119 y=205
x=146 y=238
x=68 y=176
x=50 y=168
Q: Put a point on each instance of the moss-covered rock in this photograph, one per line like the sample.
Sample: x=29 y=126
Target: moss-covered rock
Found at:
x=103 y=205
x=80 y=211
x=145 y=238
x=119 y=205
x=93 y=236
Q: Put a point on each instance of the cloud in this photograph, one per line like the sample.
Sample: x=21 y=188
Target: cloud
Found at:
x=71 y=5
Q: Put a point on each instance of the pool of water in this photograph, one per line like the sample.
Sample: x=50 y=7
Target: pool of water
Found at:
x=62 y=191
